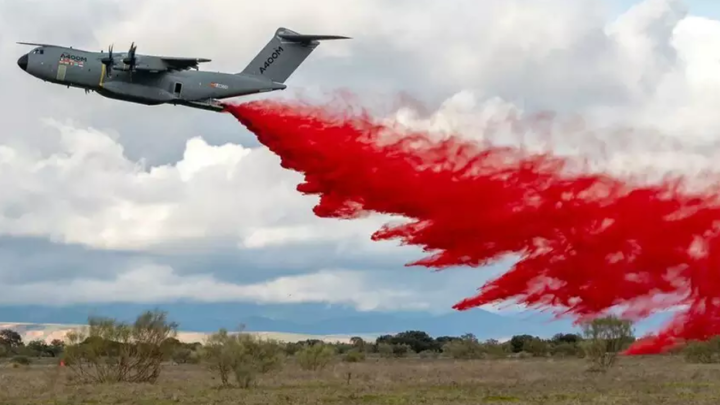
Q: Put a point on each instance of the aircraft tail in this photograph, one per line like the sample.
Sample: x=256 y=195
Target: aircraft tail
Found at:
x=285 y=52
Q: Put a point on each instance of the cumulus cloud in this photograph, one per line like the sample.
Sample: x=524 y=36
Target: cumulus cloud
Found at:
x=87 y=192
x=158 y=284
x=84 y=170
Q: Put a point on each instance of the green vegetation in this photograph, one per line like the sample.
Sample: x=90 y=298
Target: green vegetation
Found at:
x=111 y=351
x=245 y=356
x=408 y=367
x=605 y=338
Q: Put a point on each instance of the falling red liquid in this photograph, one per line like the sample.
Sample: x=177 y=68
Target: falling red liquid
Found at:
x=585 y=242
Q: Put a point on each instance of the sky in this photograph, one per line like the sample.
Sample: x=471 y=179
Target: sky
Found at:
x=110 y=202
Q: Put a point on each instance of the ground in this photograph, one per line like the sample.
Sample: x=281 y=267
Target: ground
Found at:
x=636 y=381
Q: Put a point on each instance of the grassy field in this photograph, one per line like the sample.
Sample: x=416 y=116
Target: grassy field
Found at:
x=637 y=381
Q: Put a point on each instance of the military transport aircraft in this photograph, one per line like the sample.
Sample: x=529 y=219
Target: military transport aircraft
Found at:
x=155 y=80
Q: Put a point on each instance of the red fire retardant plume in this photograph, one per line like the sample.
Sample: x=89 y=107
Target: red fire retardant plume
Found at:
x=585 y=242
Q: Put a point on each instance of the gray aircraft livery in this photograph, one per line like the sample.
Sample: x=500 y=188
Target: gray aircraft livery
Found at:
x=155 y=80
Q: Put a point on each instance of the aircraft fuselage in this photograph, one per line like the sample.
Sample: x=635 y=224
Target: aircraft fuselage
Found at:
x=83 y=69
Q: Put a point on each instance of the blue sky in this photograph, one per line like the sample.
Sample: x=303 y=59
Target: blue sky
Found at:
x=106 y=204
x=704 y=8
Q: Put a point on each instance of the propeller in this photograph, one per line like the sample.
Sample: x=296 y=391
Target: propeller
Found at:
x=130 y=59
x=108 y=61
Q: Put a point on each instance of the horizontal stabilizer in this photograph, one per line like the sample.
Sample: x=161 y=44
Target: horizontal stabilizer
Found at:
x=308 y=38
x=37 y=44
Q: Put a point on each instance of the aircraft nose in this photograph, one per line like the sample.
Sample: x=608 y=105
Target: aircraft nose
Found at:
x=23 y=62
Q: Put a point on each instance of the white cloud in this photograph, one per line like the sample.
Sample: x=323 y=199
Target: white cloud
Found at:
x=155 y=284
x=87 y=192
x=654 y=70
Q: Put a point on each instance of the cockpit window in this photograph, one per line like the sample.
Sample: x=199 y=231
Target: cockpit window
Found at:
x=40 y=51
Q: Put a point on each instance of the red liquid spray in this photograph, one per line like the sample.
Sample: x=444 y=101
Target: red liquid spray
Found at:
x=585 y=242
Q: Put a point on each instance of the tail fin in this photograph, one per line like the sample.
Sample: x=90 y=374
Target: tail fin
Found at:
x=284 y=54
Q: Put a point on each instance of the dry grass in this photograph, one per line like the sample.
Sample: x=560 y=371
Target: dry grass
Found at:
x=636 y=381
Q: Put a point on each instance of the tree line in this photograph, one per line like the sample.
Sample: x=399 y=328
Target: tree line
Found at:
x=400 y=345
x=111 y=351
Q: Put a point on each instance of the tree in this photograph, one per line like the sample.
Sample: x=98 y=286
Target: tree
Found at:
x=604 y=339
x=442 y=340
x=571 y=338
x=39 y=348
x=10 y=339
x=537 y=347
x=358 y=343
x=111 y=351
x=418 y=341
x=518 y=342
x=466 y=348
x=384 y=339
x=56 y=347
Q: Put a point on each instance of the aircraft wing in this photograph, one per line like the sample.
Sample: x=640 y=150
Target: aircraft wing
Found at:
x=173 y=63
x=157 y=64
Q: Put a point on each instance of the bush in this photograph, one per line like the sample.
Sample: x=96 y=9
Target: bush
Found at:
x=385 y=350
x=495 y=349
x=315 y=357
x=520 y=355
x=464 y=349
x=604 y=339
x=109 y=351
x=183 y=355
x=537 y=347
x=702 y=352
x=22 y=360
x=429 y=354
x=354 y=356
x=244 y=355
x=401 y=350
x=565 y=349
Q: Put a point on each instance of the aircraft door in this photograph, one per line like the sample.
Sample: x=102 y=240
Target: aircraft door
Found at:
x=62 y=70
x=177 y=89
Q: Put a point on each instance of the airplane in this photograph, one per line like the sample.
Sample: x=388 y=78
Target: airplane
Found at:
x=156 y=80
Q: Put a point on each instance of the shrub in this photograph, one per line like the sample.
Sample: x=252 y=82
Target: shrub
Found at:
x=354 y=356
x=429 y=354
x=565 y=349
x=315 y=357
x=702 y=352
x=495 y=349
x=520 y=355
x=401 y=350
x=22 y=360
x=244 y=355
x=182 y=355
x=385 y=350
x=604 y=339
x=464 y=349
x=109 y=351
x=537 y=347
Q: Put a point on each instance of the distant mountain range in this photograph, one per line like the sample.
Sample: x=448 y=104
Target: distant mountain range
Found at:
x=314 y=319
x=48 y=332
